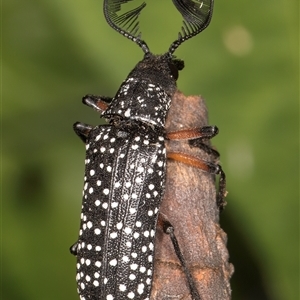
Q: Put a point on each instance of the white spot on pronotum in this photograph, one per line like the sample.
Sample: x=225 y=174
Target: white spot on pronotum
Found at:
x=109 y=297
x=122 y=287
x=127 y=113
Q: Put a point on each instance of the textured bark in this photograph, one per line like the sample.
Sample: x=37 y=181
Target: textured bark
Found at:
x=190 y=206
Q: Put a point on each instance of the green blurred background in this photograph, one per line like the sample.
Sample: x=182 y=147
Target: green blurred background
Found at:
x=246 y=67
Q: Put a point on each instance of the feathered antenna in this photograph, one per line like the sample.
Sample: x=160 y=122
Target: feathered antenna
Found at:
x=196 y=14
x=127 y=23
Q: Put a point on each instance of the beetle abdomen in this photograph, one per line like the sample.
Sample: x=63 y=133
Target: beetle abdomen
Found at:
x=124 y=183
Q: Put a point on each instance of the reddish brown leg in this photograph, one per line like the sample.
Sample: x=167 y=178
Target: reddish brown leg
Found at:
x=98 y=103
x=196 y=138
x=207 y=167
x=205 y=132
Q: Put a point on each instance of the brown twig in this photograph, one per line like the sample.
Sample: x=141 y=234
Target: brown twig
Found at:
x=190 y=206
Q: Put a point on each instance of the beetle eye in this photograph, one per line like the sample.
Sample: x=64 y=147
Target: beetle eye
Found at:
x=174 y=71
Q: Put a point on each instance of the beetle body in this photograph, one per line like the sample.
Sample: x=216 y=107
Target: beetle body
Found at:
x=124 y=184
x=125 y=169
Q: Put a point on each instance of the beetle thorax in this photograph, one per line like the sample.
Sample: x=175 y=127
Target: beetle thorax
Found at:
x=146 y=94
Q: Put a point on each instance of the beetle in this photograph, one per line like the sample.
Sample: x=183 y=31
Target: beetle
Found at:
x=125 y=163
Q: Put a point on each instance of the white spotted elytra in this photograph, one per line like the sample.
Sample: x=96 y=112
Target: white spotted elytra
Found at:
x=125 y=164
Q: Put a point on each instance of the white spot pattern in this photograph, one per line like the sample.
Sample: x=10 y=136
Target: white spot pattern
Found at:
x=124 y=181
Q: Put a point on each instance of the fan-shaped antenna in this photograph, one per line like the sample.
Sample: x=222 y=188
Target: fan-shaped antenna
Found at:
x=196 y=14
x=127 y=23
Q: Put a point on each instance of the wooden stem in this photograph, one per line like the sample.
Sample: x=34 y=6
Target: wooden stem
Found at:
x=190 y=206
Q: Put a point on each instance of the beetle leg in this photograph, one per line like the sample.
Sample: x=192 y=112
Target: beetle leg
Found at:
x=205 y=132
x=169 y=229
x=82 y=130
x=207 y=167
x=98 y=103
x=196 y=136
x=74 y=248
